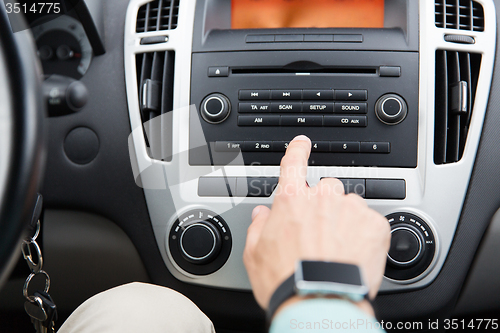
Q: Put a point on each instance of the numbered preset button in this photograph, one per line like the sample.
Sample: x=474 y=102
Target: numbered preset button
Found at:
x=228 y=146
x=320 y=146
x=345 y=147
x=258 y=146
x=280 y=146
x=376 y=147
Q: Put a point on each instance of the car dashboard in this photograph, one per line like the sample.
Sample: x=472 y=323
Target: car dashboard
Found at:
x=191 y=107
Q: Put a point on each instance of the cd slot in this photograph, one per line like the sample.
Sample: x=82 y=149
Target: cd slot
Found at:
x=287 y=71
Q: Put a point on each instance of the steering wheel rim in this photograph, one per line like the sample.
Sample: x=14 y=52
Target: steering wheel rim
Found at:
x=22 y=144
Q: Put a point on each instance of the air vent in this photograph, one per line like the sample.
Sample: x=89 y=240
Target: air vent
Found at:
x=158 y=15
x=459 y=14
x=155 y=80
x=456 y=81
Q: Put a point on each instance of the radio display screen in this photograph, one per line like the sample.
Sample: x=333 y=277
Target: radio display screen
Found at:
x=270 y=14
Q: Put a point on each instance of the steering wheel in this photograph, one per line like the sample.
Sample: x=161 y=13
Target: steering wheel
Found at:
x=21 y=134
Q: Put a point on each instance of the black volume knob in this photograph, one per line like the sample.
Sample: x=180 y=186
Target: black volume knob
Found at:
x=215 y=108
x=200 y=242
x=391 y=109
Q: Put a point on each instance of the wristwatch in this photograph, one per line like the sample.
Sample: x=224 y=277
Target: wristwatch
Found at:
x=320 y=278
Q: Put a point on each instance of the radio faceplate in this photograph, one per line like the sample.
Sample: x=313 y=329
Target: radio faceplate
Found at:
x=330 y=96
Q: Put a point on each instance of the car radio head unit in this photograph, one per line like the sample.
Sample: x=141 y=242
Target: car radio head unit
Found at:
x=255 y=89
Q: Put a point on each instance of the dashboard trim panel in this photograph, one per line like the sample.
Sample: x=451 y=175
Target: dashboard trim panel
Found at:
x=172 y=186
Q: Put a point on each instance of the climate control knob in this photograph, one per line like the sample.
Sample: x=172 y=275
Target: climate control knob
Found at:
x=412 y=247
x=215 y=108
x=407 y=246
x=199 y=242
x=391 y=109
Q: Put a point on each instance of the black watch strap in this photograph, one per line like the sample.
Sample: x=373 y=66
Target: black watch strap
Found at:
x=285 y=291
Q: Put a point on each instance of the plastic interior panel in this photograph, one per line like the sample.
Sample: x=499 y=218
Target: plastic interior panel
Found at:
x=434 y=193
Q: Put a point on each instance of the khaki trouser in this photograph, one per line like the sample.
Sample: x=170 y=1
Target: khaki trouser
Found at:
x=138 y=307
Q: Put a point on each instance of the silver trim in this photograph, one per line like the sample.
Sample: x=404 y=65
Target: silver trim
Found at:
x=221 y=106
x=400 y=107
x=72 y=26
x=465 y=95
x=434 y=192
x=6 y=123
x=182 y=237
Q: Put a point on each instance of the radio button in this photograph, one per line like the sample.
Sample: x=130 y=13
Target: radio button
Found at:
x=390 y=71
x=317 y=107
x=345 y=121
x=258 y=120
x=259 y=39
x=280 y=146
x=257 y=146
x=354 y=185
x=320 y=146
x=288 y=38
x=254 y=107
x=218 y=71
x=318 y=38
x=248 y=94
x=376 y=147
x=302 y=121
x=216 y=186
x=228 y=146
x=256 y=186
x=351 y=95
x=286 y=94
x=344 y=147
x=351 y=107
x=317 y=94
x=386 y=189
x=348 y=38
x=286 y=107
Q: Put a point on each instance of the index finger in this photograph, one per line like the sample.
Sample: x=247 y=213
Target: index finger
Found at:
x=294 y=164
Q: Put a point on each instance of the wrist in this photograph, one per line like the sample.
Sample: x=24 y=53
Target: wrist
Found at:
x=321 y=279
x=363 y=305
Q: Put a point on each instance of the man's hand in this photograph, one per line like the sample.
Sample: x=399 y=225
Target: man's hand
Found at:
x=312 y=223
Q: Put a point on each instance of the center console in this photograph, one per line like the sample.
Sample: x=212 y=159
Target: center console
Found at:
x=392 y=94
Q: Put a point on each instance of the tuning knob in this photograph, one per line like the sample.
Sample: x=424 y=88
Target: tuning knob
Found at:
x=215 y=108
x=391 y=109
x=200 y=242
x=412 y=247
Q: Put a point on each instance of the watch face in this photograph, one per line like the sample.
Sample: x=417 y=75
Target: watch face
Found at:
x=329 y=278
x=318 y=271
